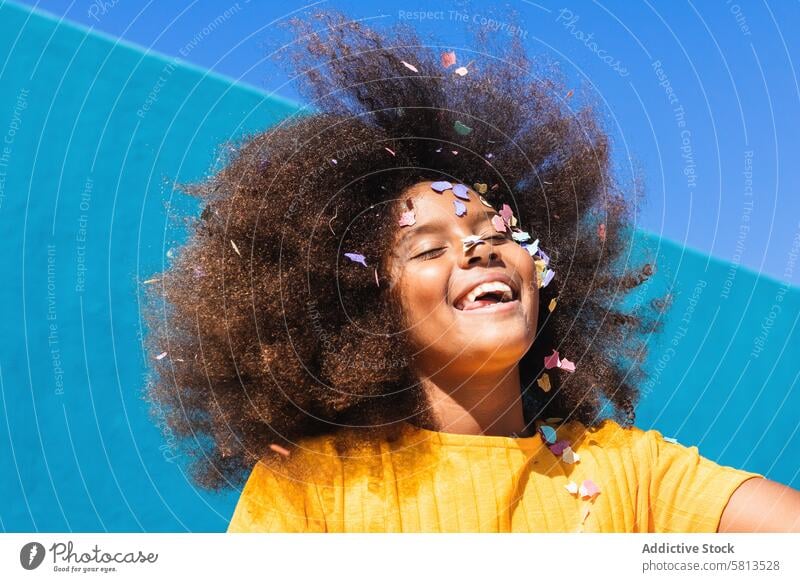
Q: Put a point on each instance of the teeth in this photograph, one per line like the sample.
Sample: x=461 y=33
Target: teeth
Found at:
x=483 y=288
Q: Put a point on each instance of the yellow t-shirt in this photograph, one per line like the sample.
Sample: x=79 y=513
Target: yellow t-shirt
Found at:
x=431 y=481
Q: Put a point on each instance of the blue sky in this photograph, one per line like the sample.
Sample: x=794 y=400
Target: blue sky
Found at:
x=695 y=95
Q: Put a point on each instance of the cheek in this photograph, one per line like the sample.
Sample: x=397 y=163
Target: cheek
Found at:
x=423 y=291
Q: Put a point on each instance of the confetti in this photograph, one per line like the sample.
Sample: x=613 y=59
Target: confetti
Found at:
x=480 y=188
x=161 y=356
x=471 y=241
x=150 y=281
x=448 y=59
x=552 y=305
x=552 y=361
x=572 y=487
x=544 y=382
x=461 y=71
x=544 y=257
x=441 y=186
x=548 y=433
x=532 y=248
x=484 y=202
x=498 y=223
x=461 y=208
x=548 y=276
x=586 y=511
x=508 y=215
x=569 y=456
x=235 y=248
x=520 y=236
x=334 y=161
x=601 y=232
x=570 y=93
x=489 y=156
x=567 y=365
x=390 y=151
x=558 y=447
x=356 y=258
x=279 y=449
x=461 y=191
x=588 y=489
x=438 y=150
x=410 y=67
x=408 y=219
x=462 y=129
x=671 y=440
x=553 y=420
x=377 y=281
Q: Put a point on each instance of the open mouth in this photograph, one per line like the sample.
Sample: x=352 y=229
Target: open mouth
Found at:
x=486 y=295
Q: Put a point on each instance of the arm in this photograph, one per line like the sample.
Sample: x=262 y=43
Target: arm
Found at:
x=761 y=505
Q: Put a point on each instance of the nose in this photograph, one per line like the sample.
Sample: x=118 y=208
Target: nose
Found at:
x=484 y=252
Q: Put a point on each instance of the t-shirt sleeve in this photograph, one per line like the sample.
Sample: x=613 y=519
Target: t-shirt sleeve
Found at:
x=271 y=503
x=687 y=492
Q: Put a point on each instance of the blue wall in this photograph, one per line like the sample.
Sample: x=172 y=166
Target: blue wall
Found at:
x=94 y=134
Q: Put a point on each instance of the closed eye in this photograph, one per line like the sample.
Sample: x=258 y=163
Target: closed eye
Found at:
x=431 y=254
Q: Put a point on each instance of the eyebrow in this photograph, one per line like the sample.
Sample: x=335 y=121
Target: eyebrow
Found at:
x=435 y=224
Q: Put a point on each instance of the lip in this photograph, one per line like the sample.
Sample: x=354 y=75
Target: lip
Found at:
x=496 y=309
x=488 y=278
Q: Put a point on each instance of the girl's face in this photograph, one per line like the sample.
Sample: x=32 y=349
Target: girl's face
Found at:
x=467 y=308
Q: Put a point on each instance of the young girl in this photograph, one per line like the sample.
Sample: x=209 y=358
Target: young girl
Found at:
x=401 y=312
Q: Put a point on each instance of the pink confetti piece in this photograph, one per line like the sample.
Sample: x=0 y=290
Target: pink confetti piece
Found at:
x=558 y=447
x=408 y=218
x=588 y=489
x=454 y=152
x=552 y=361
x=390 y=151
x=356 y=258
x=161 y=356
x=334 y=161
x=410 y=67
x=506 y=213
x=461 y=208
x=569 y=456
x=441 y=186
x=569 y=94
x=566 y=365
x=461 y=191
x=498 y=223
x=448 y=59
x=235 y=248
x=601 y=232
x=279 y=449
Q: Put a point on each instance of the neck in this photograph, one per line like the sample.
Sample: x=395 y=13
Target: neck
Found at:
x=488 y=402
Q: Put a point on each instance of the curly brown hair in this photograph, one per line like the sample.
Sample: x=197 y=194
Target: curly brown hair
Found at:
x=271 y=334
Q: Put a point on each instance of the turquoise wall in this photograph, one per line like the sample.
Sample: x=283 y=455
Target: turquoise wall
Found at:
x=93 y=135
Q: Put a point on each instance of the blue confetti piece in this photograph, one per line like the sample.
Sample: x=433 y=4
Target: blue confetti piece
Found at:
x=356 y=258
x=461 y=191
x=548 y=433
x=441 y=186
x=461 y=208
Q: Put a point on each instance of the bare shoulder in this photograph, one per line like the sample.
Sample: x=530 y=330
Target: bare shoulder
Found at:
x=761 y=505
